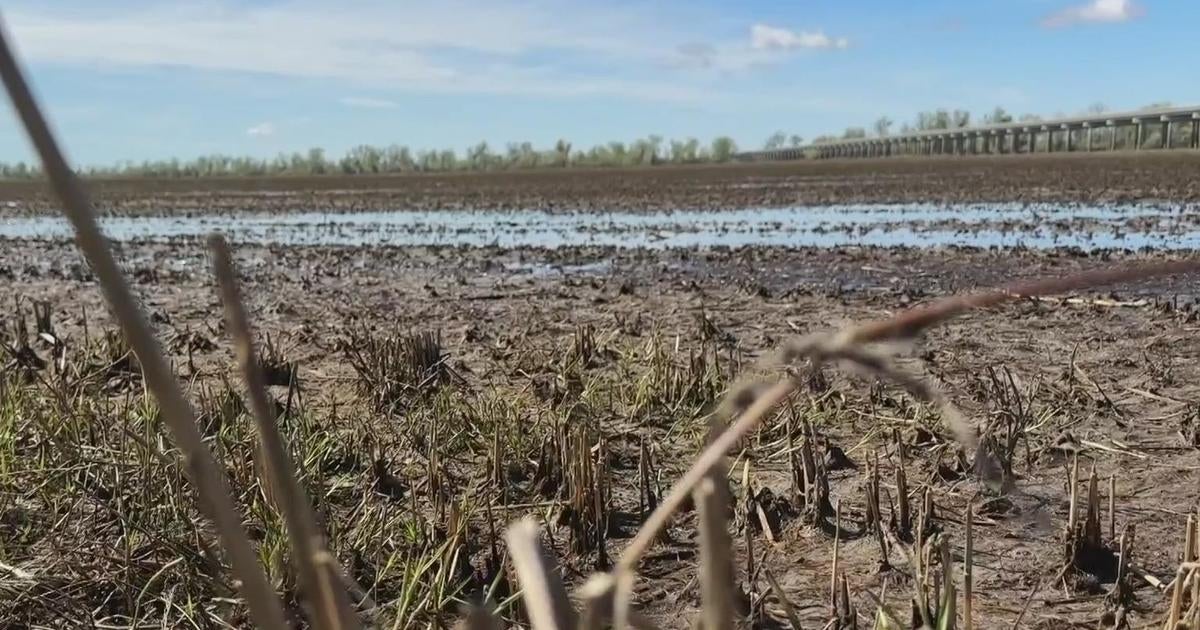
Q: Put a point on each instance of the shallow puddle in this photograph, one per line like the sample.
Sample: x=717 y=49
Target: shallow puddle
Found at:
x=983 y=225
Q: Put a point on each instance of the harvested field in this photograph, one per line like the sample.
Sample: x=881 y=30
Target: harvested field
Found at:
x=434 y=391
x=1076 y=178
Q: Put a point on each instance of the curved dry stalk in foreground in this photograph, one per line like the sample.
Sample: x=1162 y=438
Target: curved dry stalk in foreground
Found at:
x=265 y=607
x=320 y=576
x=850 y=346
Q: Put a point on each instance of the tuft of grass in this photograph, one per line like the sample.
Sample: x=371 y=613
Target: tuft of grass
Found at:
x=394 y=370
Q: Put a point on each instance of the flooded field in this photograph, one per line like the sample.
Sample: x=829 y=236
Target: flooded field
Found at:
x=586 y=315
x=1131 y=226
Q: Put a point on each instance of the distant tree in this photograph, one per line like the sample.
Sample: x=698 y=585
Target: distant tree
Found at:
x=775 y=141
x=316 y=161
x=618 y=152
x=479 y=157
x=684 y=151
x=854 y=132
x=723 y=148
x=397 y=158
x=654 y=142
x=562 y=150
x=645 y=150
x=1097 y=108
x=998 y=116
x=939 y=119
x=961 y=118
x=882 y=126
x=363 y=159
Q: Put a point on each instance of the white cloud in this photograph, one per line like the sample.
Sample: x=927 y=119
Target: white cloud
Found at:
x=367 y=102
x=261 y=130
x=766 y=37
x=1096 y=11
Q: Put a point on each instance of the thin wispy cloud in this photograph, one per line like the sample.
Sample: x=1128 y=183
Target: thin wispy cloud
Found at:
x=1096 y=11
x=366 y=102
x=766 y=37
x=496 y=47
x=459 y=46
x=261 y=130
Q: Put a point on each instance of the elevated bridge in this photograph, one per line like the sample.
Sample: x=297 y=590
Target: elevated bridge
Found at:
x=1158 y=128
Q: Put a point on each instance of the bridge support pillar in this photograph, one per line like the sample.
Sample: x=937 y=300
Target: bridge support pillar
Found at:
x=1166 y=135
x=1090 y=138
x=1137 y=141
x=1112 y=138
x=1069 y=141
x=1195 y=133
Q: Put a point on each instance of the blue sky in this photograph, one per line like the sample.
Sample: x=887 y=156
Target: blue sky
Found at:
x=136 y=79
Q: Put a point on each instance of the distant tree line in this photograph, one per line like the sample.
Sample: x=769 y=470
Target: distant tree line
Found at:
x=396 y=158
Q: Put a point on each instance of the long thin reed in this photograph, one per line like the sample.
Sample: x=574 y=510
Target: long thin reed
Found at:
x=320 y=577
x=263 y=603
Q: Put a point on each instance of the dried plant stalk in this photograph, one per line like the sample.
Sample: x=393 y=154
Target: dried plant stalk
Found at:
x=716 y=568
x=215 y=499
x=969 y=570
x=716 y=549
x=319 y=574
x=541 y=588
x=755 y=400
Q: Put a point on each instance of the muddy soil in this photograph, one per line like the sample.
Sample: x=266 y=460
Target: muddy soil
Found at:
x=1115 y=370
x=1079 y=178
x=1112 y=373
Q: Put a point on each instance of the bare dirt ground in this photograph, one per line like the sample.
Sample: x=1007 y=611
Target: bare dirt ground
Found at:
x=1110 y=374
x=1078 y=178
